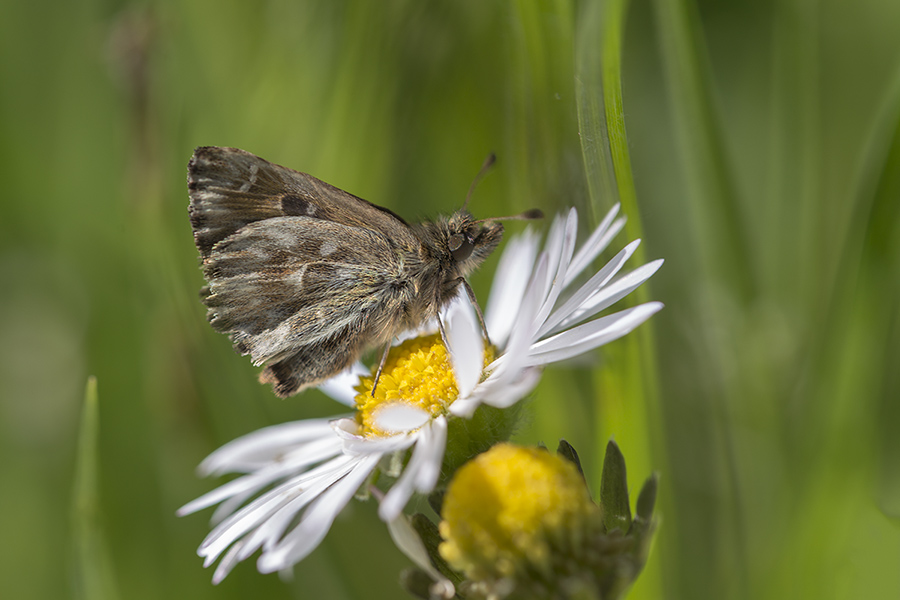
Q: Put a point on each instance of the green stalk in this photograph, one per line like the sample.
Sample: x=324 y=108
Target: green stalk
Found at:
x=724 y=260
x=717 y=219
x=93 y=572
x=627 y=406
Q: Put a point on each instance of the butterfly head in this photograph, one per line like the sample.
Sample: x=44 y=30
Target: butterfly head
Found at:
x=469 y=242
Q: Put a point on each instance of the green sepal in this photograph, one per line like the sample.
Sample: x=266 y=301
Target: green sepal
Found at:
x=614 y=490
x=436 y=499
x=417 y=582
x=431 y=539
x=567 y=451
x=647 y=498
x=644 y=525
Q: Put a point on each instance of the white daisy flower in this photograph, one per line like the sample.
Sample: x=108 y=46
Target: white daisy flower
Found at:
x=298 y=476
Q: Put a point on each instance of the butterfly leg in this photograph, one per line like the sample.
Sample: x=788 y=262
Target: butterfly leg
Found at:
x=471 y=293
x=443 y=331
x=384 y=355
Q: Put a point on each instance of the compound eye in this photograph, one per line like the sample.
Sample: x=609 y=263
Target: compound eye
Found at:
x=460 y=246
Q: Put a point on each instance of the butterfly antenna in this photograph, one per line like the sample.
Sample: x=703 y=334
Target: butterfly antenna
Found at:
x=528 y=215
x=488 y=163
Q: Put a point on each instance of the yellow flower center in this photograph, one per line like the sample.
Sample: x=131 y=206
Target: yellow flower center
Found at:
x=509 y=508
x=417 y=373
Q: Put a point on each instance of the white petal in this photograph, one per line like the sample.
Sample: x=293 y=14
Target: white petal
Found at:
x=466 y=350
x=376 y=445
x=346 y=428
x=420 y=473
x=236 y=487
x=247 y=485
x=272 y=529
x=399 y=494
x=588 y=289
x=409 y=542
x=227 y=564
x=506 y=392
x=318 y=518
x=277 y=505
x=555 y=243
x=510 y=280
x=400 y=417
x=465 y=407
x=459 y=303
x=356 y=444
x=244 y=522
x=559 y=276
x=522 y=337
x=591 y=335
x=341 y=386
x=263 y=444
x=610 y=294
x=596 y=243
x=293 y=462
x=435 y=443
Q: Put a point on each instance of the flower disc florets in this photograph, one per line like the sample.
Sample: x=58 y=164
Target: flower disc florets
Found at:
x=512 y=509
x=417 y=375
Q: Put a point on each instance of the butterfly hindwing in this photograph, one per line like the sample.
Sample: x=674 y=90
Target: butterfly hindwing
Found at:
x=278 y=285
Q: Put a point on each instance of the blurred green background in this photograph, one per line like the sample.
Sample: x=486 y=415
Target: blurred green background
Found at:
x=762 y=161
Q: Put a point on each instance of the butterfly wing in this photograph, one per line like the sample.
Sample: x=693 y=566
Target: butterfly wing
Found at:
x=302 y=276
x=230 y=188
x=302 y=292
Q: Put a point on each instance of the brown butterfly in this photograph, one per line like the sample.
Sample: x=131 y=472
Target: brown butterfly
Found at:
x=305 y=277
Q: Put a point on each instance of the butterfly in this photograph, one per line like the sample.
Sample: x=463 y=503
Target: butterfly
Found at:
x=305 y=277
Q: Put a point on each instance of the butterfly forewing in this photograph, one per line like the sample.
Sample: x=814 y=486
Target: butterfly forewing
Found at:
x=230 y=188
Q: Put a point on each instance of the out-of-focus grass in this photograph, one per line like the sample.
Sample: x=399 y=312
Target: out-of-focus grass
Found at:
x=92 y=573
x=762 y=142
